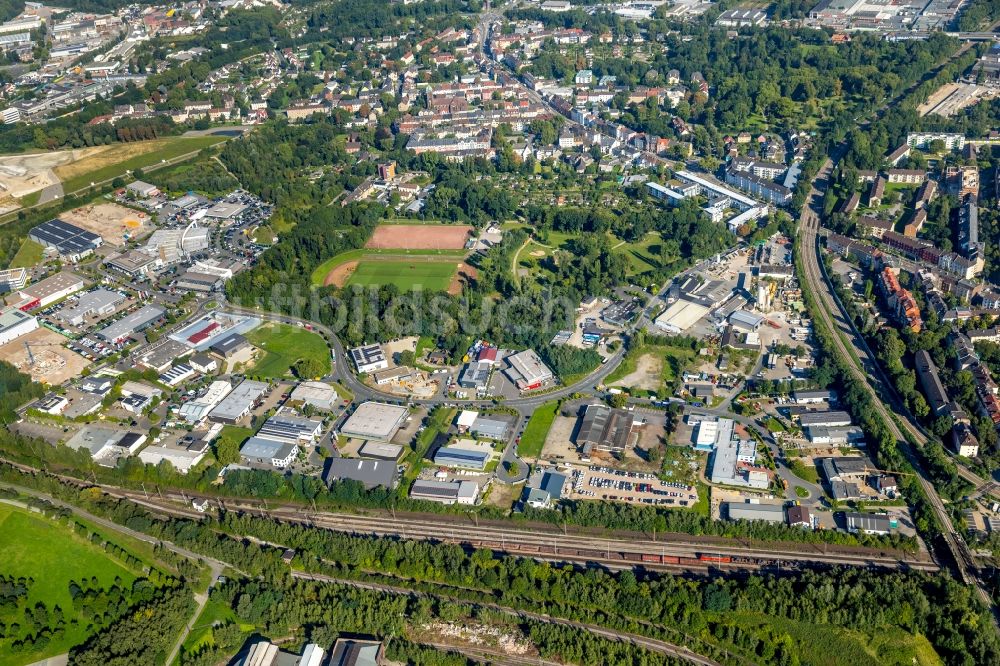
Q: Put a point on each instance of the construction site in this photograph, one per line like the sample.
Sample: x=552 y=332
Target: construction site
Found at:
x=114 y=223
x=42 y=355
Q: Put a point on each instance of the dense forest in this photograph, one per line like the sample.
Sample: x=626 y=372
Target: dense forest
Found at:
x=16 y=388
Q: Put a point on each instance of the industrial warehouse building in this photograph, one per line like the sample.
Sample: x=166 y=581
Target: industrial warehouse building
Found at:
x=475 y=375
x=605 y=429
x=53 y=288
x=70 y=241
x=369 y=358
x=465 y=457
x=319 y=395
x=131 y=324
x=371 y=473
x=869 y=523
x=239 y=402
x=291 y=429
x=263 y=451
x=527 y=370
x=745 y=511
x=830 y=419
x=445 y=492
x=381 y=451
x=375 y=420
x=97 y=303
x=198 y=409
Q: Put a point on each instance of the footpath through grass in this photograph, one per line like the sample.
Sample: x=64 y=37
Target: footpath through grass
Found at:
x=537 y=430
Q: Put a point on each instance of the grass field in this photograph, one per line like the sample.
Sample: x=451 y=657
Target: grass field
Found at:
x=536 y=430
x=284 y=346
x=29 y=255
x=429 y=275
x=803 y=471
x=320 y=272
x=33 y=546
x=822 y=645
x=235 y=434
x=201 y=632
x=119 y=158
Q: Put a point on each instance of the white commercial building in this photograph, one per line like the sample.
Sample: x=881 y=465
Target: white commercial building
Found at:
x=527 y=370
x=197 y=410
x=14 y=324
x=375 y=421
x=369 y=358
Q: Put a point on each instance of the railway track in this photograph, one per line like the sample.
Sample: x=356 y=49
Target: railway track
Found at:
x=680 y=553
x=865 y=368
x=558 y=546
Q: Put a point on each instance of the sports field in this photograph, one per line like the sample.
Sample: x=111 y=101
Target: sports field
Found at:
x=405 y=274
x=284 y=346
x=51 y=555
x=420 y=237
x=338 y=270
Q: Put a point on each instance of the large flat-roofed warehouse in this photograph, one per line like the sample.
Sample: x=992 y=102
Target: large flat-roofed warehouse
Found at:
x=746 y=511
x=831 y=419
x=14 y=324
x=680 y=316
x=51 y=289
x=459 y=456
x=445 y=492
x=99 y=302
x=133 y=323
x=239 y=402
x=371 y=473
x=69 y=240
x=230 y=346
x=285 y=428
x=269 y=452
x=605 y=429
x=320 y=395
x=375 y=420
x=527 y=370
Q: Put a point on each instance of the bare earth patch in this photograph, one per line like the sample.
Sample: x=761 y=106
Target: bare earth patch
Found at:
x=648 y=370
x=463 y=276
x=339 y=276
x=24 y=174
x=536 y=253
x=419 y=237
x=54 y=364
x=110 y=221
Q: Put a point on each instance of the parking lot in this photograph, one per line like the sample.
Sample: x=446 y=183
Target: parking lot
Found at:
x=604 y=483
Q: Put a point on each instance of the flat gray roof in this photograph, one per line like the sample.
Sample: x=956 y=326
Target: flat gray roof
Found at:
x=375 y=420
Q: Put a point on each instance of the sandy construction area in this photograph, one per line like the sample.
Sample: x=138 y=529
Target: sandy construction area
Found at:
x=54 y=364
x=114 y=223
x=419 y=237
x=24 y=174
